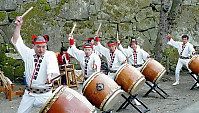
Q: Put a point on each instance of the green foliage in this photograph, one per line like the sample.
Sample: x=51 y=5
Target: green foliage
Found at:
x=42 y=1
x=12 y=68
x=53 y=23
x=46 y=7
x=2 y=16
x=64 y=1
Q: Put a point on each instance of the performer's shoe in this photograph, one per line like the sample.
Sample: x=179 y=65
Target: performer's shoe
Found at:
x=136 y=102
x=197 y=85
x=176 y=83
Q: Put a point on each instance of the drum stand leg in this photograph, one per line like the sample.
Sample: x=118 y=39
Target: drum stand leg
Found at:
x=154 y=88
x=197 y=81
x=129 y=101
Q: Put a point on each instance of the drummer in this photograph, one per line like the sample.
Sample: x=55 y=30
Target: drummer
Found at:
x=138 y=55
x=89 y=61
x=91 y=41
x=185 y=49
x=40 y=66
x=114 y=57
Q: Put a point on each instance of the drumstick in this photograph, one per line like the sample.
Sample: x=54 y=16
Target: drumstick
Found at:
x=117 y=36
x=58 y=76
x=74 y=25
x=25 y=13
x=99 y=27
x=73 y=28
x=93 y=63
x=128 y=57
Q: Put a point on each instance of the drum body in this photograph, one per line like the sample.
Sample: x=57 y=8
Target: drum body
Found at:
x=129 y=78
x=194 y=64
x=101 y=91
x=153 y=70
x=66 y=100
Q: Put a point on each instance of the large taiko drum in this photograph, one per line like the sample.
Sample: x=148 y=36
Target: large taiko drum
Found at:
x=101 y=91
x=153 y=70
x=66 y=100
x=129 y=78
x=194 y=64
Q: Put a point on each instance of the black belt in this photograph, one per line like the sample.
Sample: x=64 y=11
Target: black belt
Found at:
x=184 y=57
x=38 y=90
x=138 y=65
x=113 y=71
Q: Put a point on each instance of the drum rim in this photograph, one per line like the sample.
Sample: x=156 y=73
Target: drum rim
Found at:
x=87 y=82
x=109 y=97
x=159 y=76
x=145 y=64
x=119 y=71
x=134 y=83
x=52 y=99
x=192 y=59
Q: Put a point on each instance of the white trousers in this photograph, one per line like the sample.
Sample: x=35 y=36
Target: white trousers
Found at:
x=28 y=101
x=180 y=63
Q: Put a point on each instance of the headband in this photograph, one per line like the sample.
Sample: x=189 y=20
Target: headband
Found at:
x=87 y=46
x=111 y=44
x=133 y=42
x=34 y=36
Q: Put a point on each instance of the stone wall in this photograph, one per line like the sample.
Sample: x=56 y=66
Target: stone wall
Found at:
x=55 y=18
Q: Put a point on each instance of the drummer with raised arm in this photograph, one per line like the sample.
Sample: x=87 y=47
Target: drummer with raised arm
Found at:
x=89 y=61
x=136 y=55
x=114 y=57
x=185 y=50
x=40 y=66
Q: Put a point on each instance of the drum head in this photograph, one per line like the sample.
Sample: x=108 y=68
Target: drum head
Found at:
x=138 y=84
x=159 y=76
x=112 y=99
x=52 y=99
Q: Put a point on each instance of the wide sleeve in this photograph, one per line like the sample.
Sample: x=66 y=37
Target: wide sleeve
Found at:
x=21 y=47
x=98 y=63
x=102 y=49
x=174 y=43
x=144 y=55
x=191 y=49
x=76 y=53
x=124 y=51
x=52 y=65
x=121 y=57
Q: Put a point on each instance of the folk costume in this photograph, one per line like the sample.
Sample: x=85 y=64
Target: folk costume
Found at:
x=36 y=70
x=185 y=51
x=114 y=60
x=63 y=60
x=86 y=62
x=138 y=57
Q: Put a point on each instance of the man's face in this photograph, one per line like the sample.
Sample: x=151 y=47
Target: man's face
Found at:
x=63 y=52
x=92 y=42
x=40 y=49
x=112 y=48
x=134 y=46
x=88 y=51
x=184 y=40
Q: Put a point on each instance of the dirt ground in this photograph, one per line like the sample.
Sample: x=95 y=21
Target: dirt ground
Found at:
x=180 y=97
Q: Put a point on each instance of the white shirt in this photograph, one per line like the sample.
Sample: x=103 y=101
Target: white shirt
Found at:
x=137 y=58
x=186 y=52
x=48 y=65
x=114 y=61
x=81 y=57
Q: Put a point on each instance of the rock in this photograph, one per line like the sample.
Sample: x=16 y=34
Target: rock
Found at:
x=3 y=18
x=52 y=3
x=146 y=24
x=144 y=13
x=8 y=5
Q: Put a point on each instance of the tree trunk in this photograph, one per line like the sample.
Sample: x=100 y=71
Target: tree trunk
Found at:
x=162 y=39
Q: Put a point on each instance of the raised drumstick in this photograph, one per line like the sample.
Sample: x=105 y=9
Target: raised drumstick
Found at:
x=128 y=58
x=99 y=27
x=74 y=25
x=25 y=13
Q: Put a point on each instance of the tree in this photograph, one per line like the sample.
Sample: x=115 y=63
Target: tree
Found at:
x=166 y=21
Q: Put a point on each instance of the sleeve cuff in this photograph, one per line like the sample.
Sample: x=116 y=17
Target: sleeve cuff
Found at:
x=71 y=41
x=97 y=39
